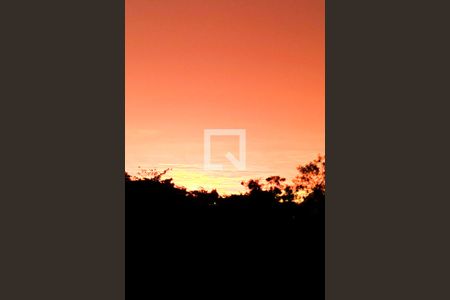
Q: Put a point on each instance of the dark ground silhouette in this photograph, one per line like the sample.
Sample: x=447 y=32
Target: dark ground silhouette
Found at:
x=183 y=244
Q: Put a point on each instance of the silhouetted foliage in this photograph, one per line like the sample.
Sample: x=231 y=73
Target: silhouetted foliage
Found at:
x=275 y=222
x=312 y=176
x=307 y=187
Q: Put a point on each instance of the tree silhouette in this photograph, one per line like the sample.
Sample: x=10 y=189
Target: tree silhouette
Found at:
x=311 y=177
x=275 y=222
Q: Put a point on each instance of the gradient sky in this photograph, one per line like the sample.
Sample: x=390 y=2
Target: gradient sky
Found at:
x=198 y=64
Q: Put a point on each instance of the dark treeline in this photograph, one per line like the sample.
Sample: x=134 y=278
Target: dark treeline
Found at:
x=271 y=237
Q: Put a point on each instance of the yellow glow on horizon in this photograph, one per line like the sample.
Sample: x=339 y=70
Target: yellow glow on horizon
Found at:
x=196 y=180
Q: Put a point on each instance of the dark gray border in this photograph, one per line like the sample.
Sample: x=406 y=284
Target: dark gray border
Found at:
x=62 y=143
x=387 y=223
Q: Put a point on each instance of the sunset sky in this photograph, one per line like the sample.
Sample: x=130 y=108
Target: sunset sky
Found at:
x=192 y=65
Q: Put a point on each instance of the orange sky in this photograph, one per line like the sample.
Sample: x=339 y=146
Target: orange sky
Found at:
x=192 y=65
